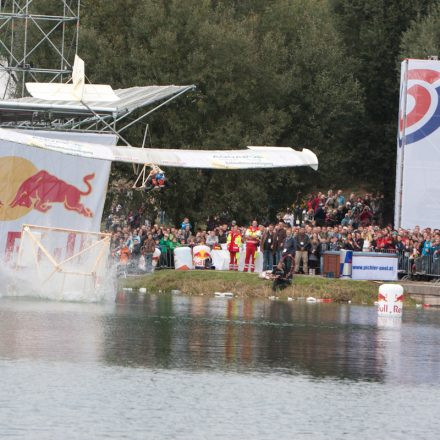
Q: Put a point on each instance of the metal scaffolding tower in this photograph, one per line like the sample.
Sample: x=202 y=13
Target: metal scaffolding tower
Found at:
x=35 y=46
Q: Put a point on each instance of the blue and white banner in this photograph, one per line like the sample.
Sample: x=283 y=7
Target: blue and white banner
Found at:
x=374 y=267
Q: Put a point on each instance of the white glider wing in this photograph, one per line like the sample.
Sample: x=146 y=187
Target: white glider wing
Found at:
x=252 y=157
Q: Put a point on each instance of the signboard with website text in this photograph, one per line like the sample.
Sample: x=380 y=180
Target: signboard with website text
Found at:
x=374 y=268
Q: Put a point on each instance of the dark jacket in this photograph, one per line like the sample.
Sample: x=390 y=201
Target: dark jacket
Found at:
x=268 y=241
x=149 y=246
x=280 y=237
x=289 y=246
x=302 y=242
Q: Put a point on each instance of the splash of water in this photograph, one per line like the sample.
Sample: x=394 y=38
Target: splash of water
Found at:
x=25 y=282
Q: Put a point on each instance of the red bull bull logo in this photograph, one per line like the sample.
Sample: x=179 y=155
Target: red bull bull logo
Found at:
x=381 y=297
x=41 y=190
x=25 y=188
x=200 y=256
x=390 y=300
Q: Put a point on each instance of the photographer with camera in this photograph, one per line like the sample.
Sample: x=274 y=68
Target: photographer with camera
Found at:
x=282 y=273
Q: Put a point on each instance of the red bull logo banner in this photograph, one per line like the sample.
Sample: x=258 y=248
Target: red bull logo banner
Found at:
x=418 y=145
x=45 y=188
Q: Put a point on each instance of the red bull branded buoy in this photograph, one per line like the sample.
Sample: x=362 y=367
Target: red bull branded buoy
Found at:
x=390 y=300
x=346 y=257
x=201 y=253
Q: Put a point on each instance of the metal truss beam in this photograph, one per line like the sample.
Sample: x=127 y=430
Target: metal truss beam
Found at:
x=25 y=28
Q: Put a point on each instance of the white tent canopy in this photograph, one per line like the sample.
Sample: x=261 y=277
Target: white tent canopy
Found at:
x=252 y=157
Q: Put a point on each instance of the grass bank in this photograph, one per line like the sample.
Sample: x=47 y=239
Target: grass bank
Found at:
x=250 y=285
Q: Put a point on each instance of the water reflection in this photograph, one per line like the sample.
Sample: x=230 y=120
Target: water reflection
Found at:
x=293 y=337
x=201 y=333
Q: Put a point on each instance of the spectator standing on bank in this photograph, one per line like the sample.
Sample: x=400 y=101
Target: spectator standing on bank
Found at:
x=234 y=244
x=253 y=235
x=267 y=246
x=314 y=253
x=302 y=243
x=149 y=247
x=280 y=237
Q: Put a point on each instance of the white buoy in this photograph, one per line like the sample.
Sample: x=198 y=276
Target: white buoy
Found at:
x=224 y=294
x=390 y=300
x=311 y=299
x=142 y=290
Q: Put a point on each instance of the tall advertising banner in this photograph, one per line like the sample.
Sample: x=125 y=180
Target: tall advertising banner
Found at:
x=417 y=200
x=45 y=188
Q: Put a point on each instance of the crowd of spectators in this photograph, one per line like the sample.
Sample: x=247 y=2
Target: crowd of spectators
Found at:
x=334 y=209
x=322 y=223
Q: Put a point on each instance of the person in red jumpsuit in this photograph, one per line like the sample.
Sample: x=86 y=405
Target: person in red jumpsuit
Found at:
x=253 y=235
x=234 y=244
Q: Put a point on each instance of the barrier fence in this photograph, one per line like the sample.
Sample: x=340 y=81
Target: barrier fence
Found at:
x=409 y=266
x=416 y=266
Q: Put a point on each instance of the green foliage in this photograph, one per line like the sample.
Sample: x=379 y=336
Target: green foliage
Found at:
x=372 y=31
x=422 y=39
x=321 y=74
x=267 y=73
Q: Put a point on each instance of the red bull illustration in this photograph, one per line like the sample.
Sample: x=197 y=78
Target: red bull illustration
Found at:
x=381 y=297
x=200 y=256
x=42 y=189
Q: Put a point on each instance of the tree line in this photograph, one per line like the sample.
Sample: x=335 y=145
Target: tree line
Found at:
x=320 y=74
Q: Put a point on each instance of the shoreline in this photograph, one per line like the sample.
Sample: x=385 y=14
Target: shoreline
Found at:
x=248 y=285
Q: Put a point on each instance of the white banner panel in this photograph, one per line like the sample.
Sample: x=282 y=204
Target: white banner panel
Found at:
x=252 y=157
x=418 y=157
x=374 y=268
x=46 y=188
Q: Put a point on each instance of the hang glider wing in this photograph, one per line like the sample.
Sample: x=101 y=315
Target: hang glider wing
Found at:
x=78 y=90
x=252 y=157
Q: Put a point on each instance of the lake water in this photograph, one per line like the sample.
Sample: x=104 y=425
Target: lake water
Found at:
x=175 y=367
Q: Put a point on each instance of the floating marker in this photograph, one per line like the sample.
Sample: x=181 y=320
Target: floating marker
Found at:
x=390 y=300
x=142 y=290
x=311 y=299
x=224 y=294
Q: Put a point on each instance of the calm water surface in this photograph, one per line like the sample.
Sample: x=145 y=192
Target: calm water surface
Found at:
x=174 y=367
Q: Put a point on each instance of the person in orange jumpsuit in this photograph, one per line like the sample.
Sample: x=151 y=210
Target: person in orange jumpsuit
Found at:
x=233 y=243
x=253 y=235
